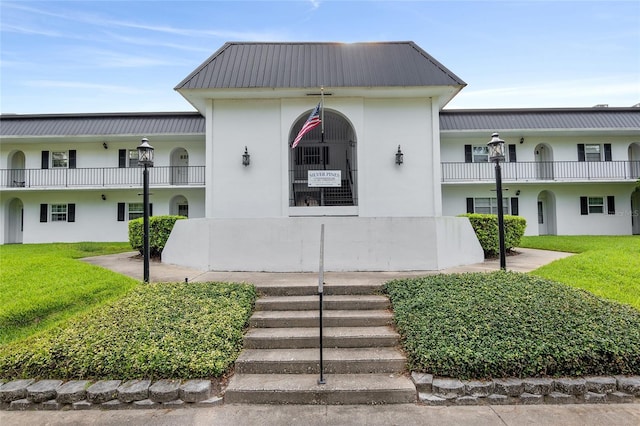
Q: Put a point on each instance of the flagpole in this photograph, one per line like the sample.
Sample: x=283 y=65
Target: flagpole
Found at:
x=322 y=113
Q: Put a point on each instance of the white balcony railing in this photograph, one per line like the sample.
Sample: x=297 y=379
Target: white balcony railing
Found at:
x=106 y=177
x=543 y=170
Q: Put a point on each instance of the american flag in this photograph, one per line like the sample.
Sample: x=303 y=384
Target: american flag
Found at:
x=311 y=123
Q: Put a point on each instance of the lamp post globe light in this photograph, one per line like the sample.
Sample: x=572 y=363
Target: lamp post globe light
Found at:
x=496 y=155
x=145 y=159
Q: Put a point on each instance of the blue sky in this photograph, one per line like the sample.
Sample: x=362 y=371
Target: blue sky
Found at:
x=113 y=56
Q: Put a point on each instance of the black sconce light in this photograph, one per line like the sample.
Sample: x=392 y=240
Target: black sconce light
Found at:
x=246 y=158
x=517 y=192
x=104 y=145
x=521 y=140
x=399 y=156
x=104 y=197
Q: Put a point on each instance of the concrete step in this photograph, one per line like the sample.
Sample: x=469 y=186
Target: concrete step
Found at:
x=332 y=337
x=342 y=389
x=286 y=289
x=331 y=318
x=306 y=361
x=301 y=303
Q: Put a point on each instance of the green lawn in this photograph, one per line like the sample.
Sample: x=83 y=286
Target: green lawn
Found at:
x=43 y=284
x=607 y=266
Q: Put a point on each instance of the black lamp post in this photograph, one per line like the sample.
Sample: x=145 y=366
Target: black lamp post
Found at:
x=145 y=159
x=496 y=155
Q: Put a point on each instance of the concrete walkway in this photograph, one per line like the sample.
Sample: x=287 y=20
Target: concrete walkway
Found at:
x=403 y=414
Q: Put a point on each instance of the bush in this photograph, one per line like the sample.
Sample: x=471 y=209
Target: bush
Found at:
x=506 y=324
x=166 y=330
x=159 y=229
x=486 y=228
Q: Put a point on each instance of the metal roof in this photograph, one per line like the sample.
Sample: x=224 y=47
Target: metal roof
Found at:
x=540 y=119
x=101 y=124
x=312 y=65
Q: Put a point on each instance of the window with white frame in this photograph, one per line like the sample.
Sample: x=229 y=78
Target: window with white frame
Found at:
x=136 y=210
x=133 y=158
x=595 y=204
x=487 y=205
x=480 y=154
x=59 y=160
x=58 y=212
x=592 y=152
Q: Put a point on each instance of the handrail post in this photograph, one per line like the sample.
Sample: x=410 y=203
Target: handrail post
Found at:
x=321 y=380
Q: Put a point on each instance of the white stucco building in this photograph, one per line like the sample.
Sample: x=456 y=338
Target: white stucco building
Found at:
x=74 y=177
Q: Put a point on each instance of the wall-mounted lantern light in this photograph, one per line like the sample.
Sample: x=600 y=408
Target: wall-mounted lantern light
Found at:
x=246 y=157
x=104 y=145
x=104 y=197
x=399 y=156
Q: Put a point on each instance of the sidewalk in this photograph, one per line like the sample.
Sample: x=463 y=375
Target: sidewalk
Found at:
x=403 y=414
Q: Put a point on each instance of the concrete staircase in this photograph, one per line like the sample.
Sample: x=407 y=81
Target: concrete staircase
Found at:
x=280 y=360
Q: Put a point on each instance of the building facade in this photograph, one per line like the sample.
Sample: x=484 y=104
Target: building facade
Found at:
x=74 y=177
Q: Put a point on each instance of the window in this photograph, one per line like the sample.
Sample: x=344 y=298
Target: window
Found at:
x=136 y=210
x=480 y=154
x=59 y=160
x=490 y=205
x=596 y=204
x=133 y=158
x=58 y=212
x=592 y=152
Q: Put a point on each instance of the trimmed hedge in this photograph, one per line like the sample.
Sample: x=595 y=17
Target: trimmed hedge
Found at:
x=486 y=228
x=506 y=324
x=159 y=230
x=157 y=331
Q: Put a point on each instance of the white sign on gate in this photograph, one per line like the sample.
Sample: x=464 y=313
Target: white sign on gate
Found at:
x=324 y=178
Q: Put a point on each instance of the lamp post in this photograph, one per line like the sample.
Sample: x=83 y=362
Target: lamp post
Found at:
x=496 y=155
x=145 y=159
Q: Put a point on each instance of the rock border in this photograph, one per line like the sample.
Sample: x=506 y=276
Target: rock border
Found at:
x=29 y=394
x=512 y=391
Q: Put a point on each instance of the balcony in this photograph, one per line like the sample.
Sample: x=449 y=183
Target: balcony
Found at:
x=101 y=177
x=535 y=171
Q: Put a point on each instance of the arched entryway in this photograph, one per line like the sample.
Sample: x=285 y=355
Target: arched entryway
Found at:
x=179 y=205
x=14 y=225
x=547 y=213
x=179 y=166
x=16 y=169
x=543 y=155
x=634 y=160
x=336 y=152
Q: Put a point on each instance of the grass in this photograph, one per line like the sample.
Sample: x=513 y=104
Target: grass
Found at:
x=165 y=330
x=607 y=266
x=508 y=324
x=44 y=284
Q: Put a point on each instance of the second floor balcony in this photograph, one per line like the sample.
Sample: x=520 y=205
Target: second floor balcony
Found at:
x=101 y=177
x=560 y=171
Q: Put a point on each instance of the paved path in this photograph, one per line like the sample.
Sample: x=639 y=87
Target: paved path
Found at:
x=413 y=414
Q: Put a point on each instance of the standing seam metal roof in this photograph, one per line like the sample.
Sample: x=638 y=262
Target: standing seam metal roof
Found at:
x=307 y=65
x=522 y=119
x=102 y=124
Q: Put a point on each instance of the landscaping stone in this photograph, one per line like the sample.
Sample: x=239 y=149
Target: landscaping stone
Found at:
x=559 y=398
x=15 y=390
x=134 y=390
x=603 y=384
x=21 y=405
x=571 y=386
x=468 y=400
x=509 y=386
x=498 y=399
x=73 y=391
x=431 y=399
x=82 y=405
x=145 y=403
x=211 y=402
x=478 y=388
x=103 y=391
x=531 y=399
x=43 y=390
x=595 y=398
x=164 y=390
x=195 y=390
x=538 y=385
x=630 y=385
x=423 y=381
x=176 y=403
x=114 y=404
x=51 y=405
x=448 y=387
x=620 y=397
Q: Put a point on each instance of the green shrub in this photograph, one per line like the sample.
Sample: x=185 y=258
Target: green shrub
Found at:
x=486 y=228
x=508 y=324
x=166 y=330
x=159 y=229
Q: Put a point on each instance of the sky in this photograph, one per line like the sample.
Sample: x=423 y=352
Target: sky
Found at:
x=127 y=56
